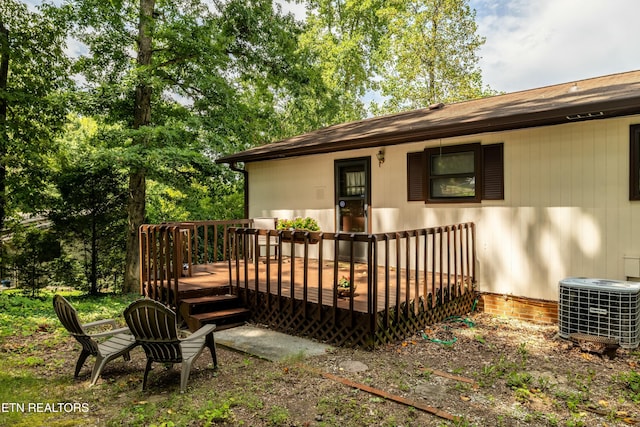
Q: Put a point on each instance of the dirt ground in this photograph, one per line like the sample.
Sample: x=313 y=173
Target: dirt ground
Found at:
x=474 y=371
x=489 y=371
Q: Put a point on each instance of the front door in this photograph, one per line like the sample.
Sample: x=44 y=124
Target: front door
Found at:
x=353 y=194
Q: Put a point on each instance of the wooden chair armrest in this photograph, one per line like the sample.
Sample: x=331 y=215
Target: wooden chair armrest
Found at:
x=112 y=322
x=110 y=332
x=203 y=331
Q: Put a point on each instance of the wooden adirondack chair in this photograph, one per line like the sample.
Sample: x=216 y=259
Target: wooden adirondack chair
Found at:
x=119 y=343
x=154 y=328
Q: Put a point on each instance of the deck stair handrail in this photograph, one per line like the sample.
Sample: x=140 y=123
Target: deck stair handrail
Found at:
x=208 y=241
x=169 y=251
x=161 y=262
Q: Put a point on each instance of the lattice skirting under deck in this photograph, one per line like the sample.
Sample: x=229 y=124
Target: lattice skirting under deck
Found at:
x=354 y=329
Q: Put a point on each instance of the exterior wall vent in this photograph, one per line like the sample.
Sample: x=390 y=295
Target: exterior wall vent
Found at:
x=585 y=116
x=603 y=308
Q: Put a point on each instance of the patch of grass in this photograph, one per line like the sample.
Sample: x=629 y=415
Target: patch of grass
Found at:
x=544 y=383
x=573 y=400
x=24 y=316
x=403 y=386
x=583 y=382
x=631 y=382
x=517 y=380
x=277 y=416
x=493 y=371
x=32 y=361
x=336 y=409
x=138 y=414
x=523 y=353
x=480 y=339
x=522 y=395
x=22 y=388
x=220 y=412
x=294 y=358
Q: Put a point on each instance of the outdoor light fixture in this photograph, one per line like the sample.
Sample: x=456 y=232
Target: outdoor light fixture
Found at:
x=380 y=157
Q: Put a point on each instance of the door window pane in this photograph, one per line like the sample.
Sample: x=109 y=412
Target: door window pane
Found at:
x=352 y=216
x=355 y=183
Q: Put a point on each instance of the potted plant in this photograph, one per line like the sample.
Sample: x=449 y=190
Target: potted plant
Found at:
x=296 y=226
x=345 y=287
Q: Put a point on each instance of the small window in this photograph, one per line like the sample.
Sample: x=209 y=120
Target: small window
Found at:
x=634 y=164
x=453 y=173
x=462 y=173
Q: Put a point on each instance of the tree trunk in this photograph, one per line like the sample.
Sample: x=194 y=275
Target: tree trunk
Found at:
x=93 y=275
x=137 y=176
x=4 y=77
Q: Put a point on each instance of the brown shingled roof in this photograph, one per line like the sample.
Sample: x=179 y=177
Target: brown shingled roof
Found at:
x=601 y=97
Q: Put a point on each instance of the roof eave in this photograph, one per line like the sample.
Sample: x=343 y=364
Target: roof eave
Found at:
x=608 y=108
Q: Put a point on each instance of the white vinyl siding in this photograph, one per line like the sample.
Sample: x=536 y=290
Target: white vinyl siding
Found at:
x=566 y=209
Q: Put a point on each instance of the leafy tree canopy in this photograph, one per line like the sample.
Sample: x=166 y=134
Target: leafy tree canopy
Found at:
x=34 y=83
x=428 y=55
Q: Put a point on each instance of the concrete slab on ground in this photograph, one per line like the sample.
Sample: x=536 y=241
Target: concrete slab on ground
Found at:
x=268 y=344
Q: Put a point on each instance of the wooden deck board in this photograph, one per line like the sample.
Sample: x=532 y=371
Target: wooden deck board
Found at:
x=217 y=275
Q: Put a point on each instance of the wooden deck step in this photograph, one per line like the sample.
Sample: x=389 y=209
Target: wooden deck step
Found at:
x=223 y=310
x=208 y=303
x=188 y=292
x=222 y=318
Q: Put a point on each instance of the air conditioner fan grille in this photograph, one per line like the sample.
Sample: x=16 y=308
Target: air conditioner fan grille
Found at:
x=601 y=312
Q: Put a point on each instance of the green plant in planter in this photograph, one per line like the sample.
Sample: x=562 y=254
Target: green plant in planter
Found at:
x=298 y=223
x=345 y=287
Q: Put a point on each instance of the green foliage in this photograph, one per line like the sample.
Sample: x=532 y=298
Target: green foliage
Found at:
x=222 y=75
x=298 y=223
x=342 y=35
x=517 y=380
x=428 y=54
x=412 y=53
x=277 y=416
x=22 y=315
x=33 y=251
x=201 y=200
x=89 y=212
x=631 y=381
x=33 y=101
x=492 y=371
x=218 y=413
x=210 y=78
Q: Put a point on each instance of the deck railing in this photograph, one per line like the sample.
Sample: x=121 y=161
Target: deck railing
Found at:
x=289 y=279
x=409 y=278
x=169 y=251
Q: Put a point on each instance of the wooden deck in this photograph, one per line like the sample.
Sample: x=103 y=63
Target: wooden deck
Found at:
x=216 y=275
x=409 y=278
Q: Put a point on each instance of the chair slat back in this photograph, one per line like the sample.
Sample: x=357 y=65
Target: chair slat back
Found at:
x=68 y=315
x=154 y=327
x=69 y=318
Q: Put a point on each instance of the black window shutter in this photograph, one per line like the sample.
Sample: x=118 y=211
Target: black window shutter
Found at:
x=415 y=176
x=493 y=172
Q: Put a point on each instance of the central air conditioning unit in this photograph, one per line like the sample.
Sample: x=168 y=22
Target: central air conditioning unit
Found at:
x=602 y=308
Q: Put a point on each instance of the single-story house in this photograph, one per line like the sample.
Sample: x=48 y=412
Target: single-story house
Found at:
x=550 y=177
